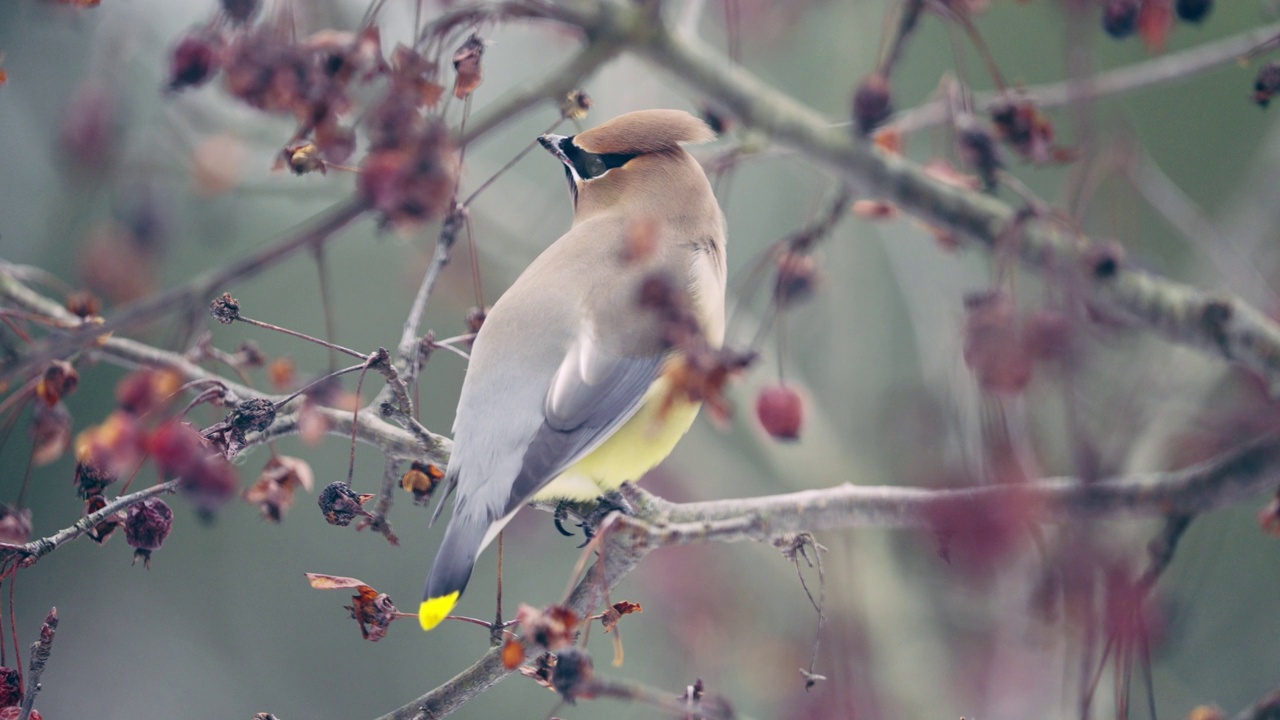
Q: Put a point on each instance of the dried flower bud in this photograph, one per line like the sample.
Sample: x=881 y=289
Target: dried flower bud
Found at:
x=140 y=392
x=196 y=58
x=1193 y=11
x=83 y=304
x=780 y=409
x=103 y=531
x=51 y=433
x=340 y=504
x=573 y=673
x=797 y=275
x=146 y=525
x=225 y=309
x=92 y=479
x=475 y=318
x=422 y=479
x=872 y=104
x=1120 y=17
x=302 y=157
x=466 y=61
x=15 y=524
x=576 y=105
x=979 y=150
x=552 y=628
x=1267 y=83
x=10 y=686
x=59 y=380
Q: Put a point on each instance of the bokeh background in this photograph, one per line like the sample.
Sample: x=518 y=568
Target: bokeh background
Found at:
x=97 y=163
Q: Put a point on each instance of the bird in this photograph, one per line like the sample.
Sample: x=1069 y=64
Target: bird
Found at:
x=567 y=393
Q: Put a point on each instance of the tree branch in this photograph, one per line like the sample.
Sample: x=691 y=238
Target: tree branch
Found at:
x=199 y=290
x=30 y=553
x=1162 y=70
x=656 y=523
x=40 y=651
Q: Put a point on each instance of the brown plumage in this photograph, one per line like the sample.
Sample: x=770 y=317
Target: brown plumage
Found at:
x=646 y=131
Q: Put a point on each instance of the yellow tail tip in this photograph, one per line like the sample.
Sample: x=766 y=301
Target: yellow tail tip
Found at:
x=434 y=610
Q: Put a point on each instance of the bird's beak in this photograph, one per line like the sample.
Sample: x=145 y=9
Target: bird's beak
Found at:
x=552 y=145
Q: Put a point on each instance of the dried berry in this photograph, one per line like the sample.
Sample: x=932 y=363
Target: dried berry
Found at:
x=1267 y=83
x=196 y=58
x=15 y=524
x=10 y=686
x=15 y=711
x=83 y=304
x=253 y=415
x=512 y=653
x=410 y=174
x=340 y=504
x=797 y=275
x=302 y=157
x=142 y=391
x=225 y=309
x=1120 y=17
x=58 y=381
x=206 y=478
x=980 y=151
x=552 y=628
x=103 y=531
x=92 y=479
x=994 y=348
x=51 y=433
x=475 y=318
x=1193 y=11
x=780 y=410
x=146 y=525
x=422 y=479
x=576 y=105
x=573 y=673
x=115 y=446
x=872 y=104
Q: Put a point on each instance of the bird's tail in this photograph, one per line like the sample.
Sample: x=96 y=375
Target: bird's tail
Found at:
x=452 y=567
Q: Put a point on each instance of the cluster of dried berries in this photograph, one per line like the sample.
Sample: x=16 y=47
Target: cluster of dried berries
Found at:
x=410 y=170
x=1152 y=19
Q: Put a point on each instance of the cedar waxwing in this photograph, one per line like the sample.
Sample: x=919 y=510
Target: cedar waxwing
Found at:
x=563 y=397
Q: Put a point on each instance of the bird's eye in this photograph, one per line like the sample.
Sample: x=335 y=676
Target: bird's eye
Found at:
x=590 y=165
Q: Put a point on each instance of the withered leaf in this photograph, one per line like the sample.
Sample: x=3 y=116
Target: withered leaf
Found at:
x=320 y=581
x=613 y=615
x=466 y=61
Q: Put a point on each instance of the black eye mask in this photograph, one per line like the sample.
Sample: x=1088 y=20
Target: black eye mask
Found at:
x=591 y=165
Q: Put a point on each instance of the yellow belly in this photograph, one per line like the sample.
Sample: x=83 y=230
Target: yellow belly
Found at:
x=639 y=445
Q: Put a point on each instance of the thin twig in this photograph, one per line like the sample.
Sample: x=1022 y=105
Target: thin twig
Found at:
x=40 y=650
x=1174 y=67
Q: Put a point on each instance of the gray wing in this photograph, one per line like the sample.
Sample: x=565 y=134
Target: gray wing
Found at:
x=594 y=392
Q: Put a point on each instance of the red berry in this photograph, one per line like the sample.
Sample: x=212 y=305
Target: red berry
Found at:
x=781 y=411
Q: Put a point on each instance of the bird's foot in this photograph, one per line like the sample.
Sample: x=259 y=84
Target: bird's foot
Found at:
x=562 y=514
x=606 y=504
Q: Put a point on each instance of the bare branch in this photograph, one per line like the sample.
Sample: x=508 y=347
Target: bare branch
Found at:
x=40 y=650
x=28 y=554
x=1174 y=67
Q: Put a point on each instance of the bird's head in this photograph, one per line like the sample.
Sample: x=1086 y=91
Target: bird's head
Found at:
x=637 y=155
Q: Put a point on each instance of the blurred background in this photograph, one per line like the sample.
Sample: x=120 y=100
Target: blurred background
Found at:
x=113 y=184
